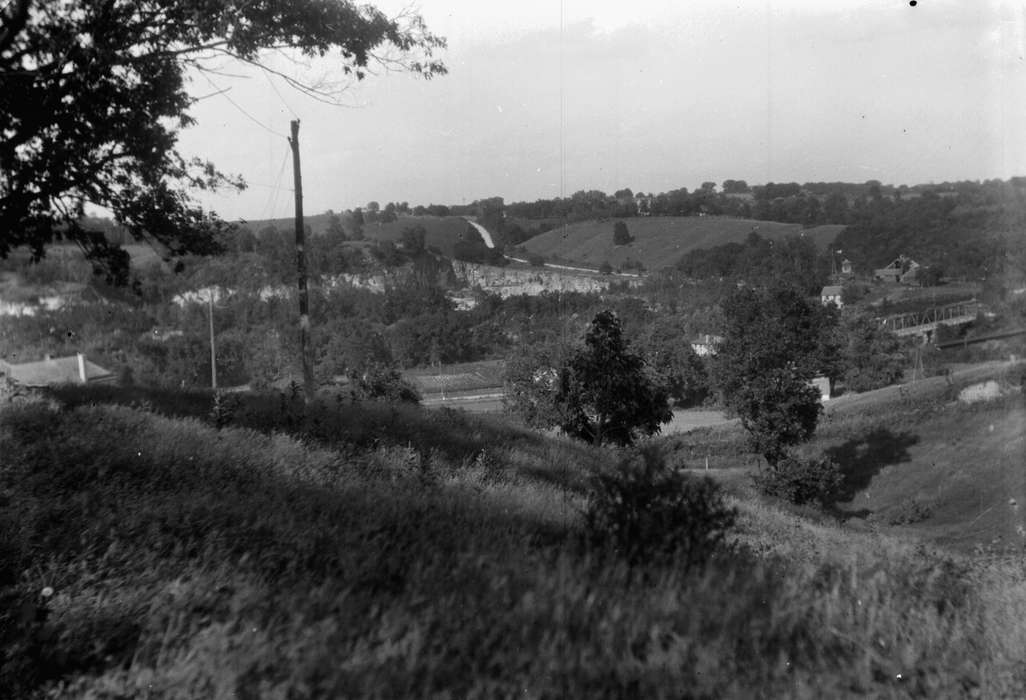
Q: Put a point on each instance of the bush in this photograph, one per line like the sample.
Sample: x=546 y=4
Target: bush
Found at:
x=909 y=511
x=383 y=383
x=801 y=480
x=645 y=511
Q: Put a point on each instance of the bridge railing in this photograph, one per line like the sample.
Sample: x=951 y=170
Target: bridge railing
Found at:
x=929 y=317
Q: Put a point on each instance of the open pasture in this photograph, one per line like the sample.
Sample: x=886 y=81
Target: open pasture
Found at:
x=660 y=241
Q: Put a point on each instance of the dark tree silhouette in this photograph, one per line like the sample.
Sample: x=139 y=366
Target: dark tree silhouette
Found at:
x=94 y=94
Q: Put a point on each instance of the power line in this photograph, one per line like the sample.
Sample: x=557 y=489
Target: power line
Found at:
x=269 y=205
x=235 y=104
x=276 y=91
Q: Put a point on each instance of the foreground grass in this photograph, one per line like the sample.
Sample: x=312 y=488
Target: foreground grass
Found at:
x=188 y=561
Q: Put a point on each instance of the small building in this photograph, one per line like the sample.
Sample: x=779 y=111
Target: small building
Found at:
x=847 y=269
x=902 y=270
x=706 y=345
x=823 y=385
x=831 y=294
x=75 y=369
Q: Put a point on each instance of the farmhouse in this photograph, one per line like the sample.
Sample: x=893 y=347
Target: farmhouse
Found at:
x=75 y=369
x=902 y=270
x=831 y=294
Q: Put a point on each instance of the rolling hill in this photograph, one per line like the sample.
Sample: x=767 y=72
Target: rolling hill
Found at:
x=660 y=241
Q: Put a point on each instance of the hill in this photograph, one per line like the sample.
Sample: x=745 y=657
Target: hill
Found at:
x=442 y=232
x=918 y=462
x=660 y=241
x=385 y=551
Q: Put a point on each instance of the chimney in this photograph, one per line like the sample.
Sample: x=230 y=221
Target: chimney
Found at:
x=81 y=368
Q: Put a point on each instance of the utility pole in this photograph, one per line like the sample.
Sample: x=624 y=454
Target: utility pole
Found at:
x=304 y=297
x=213 y=353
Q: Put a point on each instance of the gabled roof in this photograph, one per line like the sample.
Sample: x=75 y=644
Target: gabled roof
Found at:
x=56 y=370
x=831 y=290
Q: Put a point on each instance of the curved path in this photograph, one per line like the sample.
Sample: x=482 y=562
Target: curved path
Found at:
x=483 y=231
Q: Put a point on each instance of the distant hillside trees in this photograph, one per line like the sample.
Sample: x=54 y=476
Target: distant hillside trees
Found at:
x=760 y=261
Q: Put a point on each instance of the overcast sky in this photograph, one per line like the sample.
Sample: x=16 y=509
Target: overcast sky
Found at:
x=544 y=98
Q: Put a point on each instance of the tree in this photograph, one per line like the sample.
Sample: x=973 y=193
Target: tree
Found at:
x=335 y=230
x=605 y=393
x=871 y=355
x=674 y=363
x=771 y=349
x=94 y=95
x=414 y=239
x=531 y=382
x=601 y=392
x=621 y=236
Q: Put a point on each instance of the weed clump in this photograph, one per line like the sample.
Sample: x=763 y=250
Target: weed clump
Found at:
x=801 y=480
x=910 y=511
x=647 y=512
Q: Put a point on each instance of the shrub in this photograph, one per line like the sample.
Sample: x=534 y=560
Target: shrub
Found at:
x=645 y=511
x=223 y=408
x=384 y=383
x=801 y=480
x=909 y=511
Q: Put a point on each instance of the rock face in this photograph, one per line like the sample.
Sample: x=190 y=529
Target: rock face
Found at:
x=984 y=391
x=506 y=281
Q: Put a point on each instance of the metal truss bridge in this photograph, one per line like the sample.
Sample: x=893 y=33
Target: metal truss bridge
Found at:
x=924 y=323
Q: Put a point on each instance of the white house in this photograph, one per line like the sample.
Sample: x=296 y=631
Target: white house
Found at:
x=831 y=294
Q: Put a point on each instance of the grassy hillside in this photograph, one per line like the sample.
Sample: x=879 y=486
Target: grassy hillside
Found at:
x=378 y=551
x=442 y=231
x=660 y=241
x=918 y=463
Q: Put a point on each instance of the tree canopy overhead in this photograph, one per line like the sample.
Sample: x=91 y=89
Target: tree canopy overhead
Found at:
x=94 y=94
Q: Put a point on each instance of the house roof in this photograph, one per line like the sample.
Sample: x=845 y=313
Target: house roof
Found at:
x=56 y=370
x=831 y=290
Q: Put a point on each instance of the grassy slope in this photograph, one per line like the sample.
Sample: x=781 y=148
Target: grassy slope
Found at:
x=660 y=241
x=378 y=551
x=913 y=444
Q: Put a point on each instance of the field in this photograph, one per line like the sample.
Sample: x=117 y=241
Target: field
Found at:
x=347 y=550
x=660 y=241
x=464 y=377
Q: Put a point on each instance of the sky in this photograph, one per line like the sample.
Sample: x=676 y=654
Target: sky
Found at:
x=547 y=97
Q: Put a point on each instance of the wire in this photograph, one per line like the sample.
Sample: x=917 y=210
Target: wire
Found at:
x=268 y=211
x=276 y=91
x=235 y=104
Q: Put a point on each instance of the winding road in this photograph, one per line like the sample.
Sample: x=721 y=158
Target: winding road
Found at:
x=483 y=231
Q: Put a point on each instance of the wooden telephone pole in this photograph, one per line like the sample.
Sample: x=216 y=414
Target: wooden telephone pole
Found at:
x=213 y=352
x=304 y=297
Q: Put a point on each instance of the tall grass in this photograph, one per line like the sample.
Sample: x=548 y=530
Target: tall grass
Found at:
x=188 y=562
